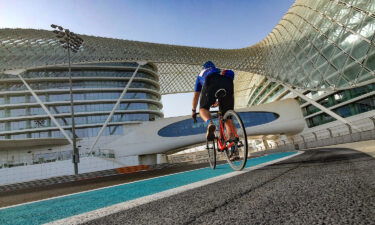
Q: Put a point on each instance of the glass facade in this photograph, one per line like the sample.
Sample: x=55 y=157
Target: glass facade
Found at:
x=340 y=102
x=350 y=109
x=14 y=98
x=188 y=127
x=323 y=44
x=267 y=92
x=22 y=117
x=77 y=84
x=60 y=109
x=83 y=73
x=338 y=98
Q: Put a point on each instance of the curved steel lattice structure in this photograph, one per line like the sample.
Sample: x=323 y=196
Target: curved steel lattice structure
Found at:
x=323 y=44
x=96 y=90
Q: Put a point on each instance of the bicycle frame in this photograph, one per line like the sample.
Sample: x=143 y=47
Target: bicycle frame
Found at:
x=222 y=137
x=228 y=141
x=222 y=140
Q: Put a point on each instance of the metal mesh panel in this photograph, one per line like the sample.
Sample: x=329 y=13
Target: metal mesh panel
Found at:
x=323 y=44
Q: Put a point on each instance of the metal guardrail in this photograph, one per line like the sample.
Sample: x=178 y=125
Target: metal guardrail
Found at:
x=348 y=138
x=340 y=134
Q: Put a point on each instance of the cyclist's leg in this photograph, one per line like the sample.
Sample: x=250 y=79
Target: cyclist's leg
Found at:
x=206 y=100
x=205 y=114
x=231 y=129
x=227 y=103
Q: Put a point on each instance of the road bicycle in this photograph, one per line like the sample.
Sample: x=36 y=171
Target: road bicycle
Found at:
x=235 y=148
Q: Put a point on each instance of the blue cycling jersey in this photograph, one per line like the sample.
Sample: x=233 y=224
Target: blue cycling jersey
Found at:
x=207 y=72
x=202 y=77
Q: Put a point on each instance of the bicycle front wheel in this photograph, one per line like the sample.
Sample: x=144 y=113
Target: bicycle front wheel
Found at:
x=237 y=150
x=211 y=150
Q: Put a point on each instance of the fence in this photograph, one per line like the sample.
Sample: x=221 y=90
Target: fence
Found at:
x=43 y=158
x=195 y=157
x=88 y=163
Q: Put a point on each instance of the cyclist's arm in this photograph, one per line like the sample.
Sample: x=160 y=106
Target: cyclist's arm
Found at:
x=195 y=100
x=197 y=92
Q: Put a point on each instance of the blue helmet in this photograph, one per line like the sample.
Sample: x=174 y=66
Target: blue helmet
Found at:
x=208 y=64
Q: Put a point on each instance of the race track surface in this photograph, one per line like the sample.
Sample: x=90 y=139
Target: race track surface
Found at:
x=324 y=186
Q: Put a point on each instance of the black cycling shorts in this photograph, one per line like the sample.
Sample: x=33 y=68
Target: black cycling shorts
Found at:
x=212 y=84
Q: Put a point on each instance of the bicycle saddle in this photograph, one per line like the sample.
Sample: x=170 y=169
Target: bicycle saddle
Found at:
x=220 y=93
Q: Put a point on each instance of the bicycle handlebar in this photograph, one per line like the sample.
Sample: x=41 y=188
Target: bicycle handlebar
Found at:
x=195 y=117
x=197 y=113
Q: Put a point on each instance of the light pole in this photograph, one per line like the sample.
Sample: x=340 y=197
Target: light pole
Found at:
x=71 y=42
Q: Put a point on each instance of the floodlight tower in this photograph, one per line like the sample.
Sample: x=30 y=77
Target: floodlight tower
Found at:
x=71 y=42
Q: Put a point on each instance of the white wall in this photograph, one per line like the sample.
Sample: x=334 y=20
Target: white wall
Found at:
x=145 y=139
x=61 y=168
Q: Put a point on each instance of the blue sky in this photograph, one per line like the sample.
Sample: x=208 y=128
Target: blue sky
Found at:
x=203 y=23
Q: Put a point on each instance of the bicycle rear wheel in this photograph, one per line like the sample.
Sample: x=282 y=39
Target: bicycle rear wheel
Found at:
x=237 y=152
x=211 y=150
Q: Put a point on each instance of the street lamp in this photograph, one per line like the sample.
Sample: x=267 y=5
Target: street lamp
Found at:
x=71 y=42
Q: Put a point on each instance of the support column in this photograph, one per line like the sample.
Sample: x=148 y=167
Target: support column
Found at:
x=304 y=141
x=330 y=133
x=291 y=142
x=265 y=143
x=373 y=120
x=349 y=128
x=316 y=136
x=350 y=132
x=150 y=159
x=290 y=139
x=161 y=158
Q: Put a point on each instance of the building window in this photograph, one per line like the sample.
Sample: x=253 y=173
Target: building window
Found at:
x=361 y=106
x=18 y=125
x=17 y=99
x=17 y=112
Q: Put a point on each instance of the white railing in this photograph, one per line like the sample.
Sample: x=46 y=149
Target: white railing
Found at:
x=331 y=136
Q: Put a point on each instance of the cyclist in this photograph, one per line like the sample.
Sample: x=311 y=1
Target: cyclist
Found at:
x=208 y=82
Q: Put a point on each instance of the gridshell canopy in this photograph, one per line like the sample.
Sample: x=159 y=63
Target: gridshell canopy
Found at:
x=320 y=44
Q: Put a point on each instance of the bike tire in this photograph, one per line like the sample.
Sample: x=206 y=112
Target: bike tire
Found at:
x=211 y=151
x=241 y=145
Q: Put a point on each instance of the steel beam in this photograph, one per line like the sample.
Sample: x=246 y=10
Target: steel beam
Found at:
x=115 y=106
x=319 y=106
x=53 y=119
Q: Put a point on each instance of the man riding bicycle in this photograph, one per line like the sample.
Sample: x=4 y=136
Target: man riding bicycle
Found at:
x=209 y=81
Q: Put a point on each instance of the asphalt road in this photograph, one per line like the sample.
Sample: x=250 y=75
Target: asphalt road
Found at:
x=325 y=186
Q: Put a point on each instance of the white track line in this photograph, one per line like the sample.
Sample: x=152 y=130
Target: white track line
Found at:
x=85 y=217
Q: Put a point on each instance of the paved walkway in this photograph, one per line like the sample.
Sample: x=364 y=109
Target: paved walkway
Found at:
x=323 y=186
x=66 y=206
x=330 y=185
x=367 y=147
